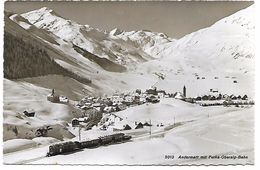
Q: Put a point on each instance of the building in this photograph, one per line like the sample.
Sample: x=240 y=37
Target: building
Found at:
x=138 y=91
x=161 y=93
x=75 y=122
x=29 y=114
x=214 y=90
x=53 y=98
x=139 y=126
x=152 y=91
x=147 y=124
x=152 y=99
x=127 y=127
x=178 y=95
x=117 y=98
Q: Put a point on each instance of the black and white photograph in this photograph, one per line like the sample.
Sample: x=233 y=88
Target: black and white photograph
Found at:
x=128 y=83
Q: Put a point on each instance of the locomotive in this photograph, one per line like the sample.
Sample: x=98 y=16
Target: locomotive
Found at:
x=59 y=148
x=70 y=146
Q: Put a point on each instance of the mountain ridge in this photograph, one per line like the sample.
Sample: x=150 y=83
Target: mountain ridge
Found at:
x=93 y=40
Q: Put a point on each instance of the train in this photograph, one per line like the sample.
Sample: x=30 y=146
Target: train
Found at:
x=71 y=146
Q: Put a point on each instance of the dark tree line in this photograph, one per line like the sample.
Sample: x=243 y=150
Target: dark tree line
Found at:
x=23 y=59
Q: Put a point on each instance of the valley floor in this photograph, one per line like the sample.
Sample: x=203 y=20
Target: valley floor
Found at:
x=215 y=131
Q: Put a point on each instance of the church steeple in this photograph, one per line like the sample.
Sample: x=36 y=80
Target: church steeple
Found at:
x=184 y=91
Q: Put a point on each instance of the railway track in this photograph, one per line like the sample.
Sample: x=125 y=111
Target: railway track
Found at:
x=142 y=136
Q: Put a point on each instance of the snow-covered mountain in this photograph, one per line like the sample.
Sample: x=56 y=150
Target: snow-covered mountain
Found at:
x=126 y=48
x=229 y=41
x=149 y=41
x=211 y=57
x=221 y=55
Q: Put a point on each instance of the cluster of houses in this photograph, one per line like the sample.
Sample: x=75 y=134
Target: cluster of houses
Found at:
x=110 y=122
x=117 y=102
x=227 y=103
x=113 y=122
x=221 y=97
x=125 y=126
x=215 y=98
x=120 y=101
x=106 y=106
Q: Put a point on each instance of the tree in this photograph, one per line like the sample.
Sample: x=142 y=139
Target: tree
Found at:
x=24 y=59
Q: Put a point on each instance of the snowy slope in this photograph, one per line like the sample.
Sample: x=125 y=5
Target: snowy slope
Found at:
x=229 y=130
x=228 y=43
x=21 y=96
x=220 y=54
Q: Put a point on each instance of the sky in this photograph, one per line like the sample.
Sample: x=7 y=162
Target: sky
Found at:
x=175 y=19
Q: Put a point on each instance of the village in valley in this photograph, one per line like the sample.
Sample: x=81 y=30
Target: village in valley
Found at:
x=127 y=117
x=106 y=120
x=101 y=112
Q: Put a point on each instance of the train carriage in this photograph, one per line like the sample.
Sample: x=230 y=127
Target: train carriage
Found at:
x=105 y=140
x=127 y=137
x=118 y=137
x=90 y=144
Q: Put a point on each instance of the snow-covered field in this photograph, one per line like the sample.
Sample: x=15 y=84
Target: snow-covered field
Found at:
x=23 y=96
x=202 y=131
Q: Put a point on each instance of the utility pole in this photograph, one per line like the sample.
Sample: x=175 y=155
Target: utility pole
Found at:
x=150 y=128
x=79 y=133
x=174 y=121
